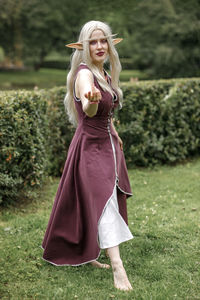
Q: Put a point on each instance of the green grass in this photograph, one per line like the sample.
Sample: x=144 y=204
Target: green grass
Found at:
x=47 y=78
x=162 y=261
x=44 y=78
x=126 y=75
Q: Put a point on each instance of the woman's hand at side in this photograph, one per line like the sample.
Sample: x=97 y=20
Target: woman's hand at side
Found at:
x=87 y=92
x=119 y=139
x=120 y=142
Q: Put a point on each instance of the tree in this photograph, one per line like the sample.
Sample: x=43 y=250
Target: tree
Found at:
x=11 y=31
x=30 y=29
x=161 y=37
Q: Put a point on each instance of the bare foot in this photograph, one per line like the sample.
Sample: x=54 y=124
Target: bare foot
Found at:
x=121 y=281
x=99 y=265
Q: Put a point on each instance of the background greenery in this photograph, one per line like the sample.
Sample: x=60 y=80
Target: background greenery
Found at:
x=161 y=37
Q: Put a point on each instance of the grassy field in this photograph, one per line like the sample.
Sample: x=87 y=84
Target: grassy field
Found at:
x=47 y=78
x=162 y=261
x=44 y=78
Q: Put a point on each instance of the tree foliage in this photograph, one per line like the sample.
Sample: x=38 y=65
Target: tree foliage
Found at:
x=162 y=37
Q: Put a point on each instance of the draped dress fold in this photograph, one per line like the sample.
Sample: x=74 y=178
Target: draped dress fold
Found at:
x=89 y=211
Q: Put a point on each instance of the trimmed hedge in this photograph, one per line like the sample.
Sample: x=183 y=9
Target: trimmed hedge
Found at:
x=34 y=138
x=23 y=146
x=61 y=130
x=56 y=64
x=159 y=123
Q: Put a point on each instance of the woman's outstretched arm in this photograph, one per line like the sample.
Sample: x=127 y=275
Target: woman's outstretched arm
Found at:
x=87 y=92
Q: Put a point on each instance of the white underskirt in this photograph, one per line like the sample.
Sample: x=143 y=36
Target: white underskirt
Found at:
x=112 y=229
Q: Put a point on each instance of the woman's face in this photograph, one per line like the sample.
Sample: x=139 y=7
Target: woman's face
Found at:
x=98 y=46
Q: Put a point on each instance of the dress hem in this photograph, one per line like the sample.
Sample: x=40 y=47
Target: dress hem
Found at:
x=72 y=265
x=130 y=194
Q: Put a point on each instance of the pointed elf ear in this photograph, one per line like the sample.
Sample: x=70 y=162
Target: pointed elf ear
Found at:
x=116 y=41
x=78 y=46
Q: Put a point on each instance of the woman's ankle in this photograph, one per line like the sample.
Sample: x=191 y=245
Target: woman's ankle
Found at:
x=117 y=262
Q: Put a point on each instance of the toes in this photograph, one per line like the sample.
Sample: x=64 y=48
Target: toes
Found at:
x=121 y=281
x=99 y=265
x=123 y=288
x=105 y=266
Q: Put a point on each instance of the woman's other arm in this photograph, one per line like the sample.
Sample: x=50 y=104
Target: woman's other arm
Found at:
x=119 y=139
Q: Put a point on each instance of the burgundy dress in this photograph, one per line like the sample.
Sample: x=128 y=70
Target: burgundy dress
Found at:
x=94 y=168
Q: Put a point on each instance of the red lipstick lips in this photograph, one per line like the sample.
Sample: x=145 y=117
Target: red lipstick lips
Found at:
x=100 y=53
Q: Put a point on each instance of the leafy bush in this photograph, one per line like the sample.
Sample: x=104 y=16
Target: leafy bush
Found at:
x=61 y=131
x=54 y=64
x=1 y=54
x=23 y=132
x=160 y=121
x=56 y=61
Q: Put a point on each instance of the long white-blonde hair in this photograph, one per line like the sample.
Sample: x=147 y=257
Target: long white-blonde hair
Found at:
x=83 y=56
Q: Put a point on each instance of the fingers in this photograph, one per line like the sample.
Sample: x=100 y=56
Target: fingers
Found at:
x=93 y=96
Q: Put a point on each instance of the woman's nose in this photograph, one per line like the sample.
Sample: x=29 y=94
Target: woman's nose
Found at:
x=99 y=44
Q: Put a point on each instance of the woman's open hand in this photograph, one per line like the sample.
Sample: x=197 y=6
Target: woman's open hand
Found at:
x=93 y=96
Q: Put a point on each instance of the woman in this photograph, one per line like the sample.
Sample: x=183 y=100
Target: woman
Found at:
x=89 y=211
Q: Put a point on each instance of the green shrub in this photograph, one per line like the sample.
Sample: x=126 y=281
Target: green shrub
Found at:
x=1 y=54
x=23 y=132
x=61 y=131
x=160 y=121
x=127 y=63
x=54 y=64
x=56 y=61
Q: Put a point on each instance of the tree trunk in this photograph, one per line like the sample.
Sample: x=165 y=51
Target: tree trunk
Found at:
x=38 y=64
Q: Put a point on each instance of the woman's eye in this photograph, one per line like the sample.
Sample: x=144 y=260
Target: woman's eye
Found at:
x=93 y=43
x=104 y=41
